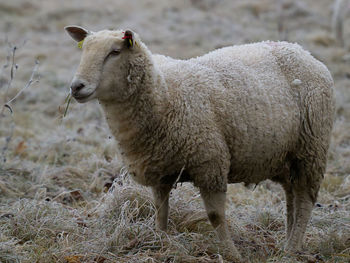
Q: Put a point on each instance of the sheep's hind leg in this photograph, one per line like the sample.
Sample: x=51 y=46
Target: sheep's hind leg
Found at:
x=305 y=189
x=303 y=209
x=290 y=208
x=284 y=180
x=161 y=200
x=214 y=203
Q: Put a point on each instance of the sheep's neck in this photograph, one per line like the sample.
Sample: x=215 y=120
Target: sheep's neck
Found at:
x=136 y=121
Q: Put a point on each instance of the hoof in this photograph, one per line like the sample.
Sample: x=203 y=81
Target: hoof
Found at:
x=229 y=251
x=291 y=249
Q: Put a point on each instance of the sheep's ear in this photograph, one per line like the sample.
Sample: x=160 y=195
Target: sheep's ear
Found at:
x=129 y=38
x=77 y=33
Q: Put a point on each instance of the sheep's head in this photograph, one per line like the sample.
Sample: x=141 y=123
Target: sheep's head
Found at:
x=105 y=62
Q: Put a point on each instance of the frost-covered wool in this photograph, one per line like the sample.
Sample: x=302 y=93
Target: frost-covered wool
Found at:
x=238 y=114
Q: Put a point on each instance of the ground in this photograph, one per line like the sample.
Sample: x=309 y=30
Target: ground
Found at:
x=57 y=200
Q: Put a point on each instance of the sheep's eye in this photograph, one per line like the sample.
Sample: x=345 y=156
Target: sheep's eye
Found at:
x=114 y=52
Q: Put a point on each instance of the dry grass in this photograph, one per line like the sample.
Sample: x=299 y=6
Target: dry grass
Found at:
x=64 y=196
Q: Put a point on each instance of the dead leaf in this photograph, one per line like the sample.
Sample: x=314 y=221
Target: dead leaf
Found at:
x=21 y=147
x=99 y=259
x=77 y=195
x=133 y=243
x=81 y=222
x=73 y=258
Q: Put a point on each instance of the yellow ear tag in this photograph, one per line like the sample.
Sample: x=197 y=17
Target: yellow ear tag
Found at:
x=130 y=42
x=80 y=44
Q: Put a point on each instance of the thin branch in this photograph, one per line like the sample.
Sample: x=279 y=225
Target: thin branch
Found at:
x=13 y=67
x=12 y=71
x=29 y=83
x=10 y=109
x=11 y=56
x=7 y=142
x=7 y=61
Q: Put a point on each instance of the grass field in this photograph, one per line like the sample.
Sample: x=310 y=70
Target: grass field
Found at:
x=58 y=202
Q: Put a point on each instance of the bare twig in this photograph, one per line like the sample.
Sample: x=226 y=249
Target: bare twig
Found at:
x=12 y=71
x=29 y=83
x=6 y=101
x=11 y=57
x=7 y=61
x=7 y=142
x=7 y=106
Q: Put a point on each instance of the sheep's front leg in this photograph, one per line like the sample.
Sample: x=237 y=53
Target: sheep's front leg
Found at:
x=161 y=201
x=215 y=206
x=214 y=203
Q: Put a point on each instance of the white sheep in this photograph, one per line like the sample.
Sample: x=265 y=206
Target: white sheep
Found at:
x=238 y=114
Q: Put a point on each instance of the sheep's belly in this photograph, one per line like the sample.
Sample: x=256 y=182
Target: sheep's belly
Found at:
x=257 y=171
x=259 y=142
x=260 y=151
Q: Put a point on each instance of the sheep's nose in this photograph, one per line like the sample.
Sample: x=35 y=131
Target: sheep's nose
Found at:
x=76 y=86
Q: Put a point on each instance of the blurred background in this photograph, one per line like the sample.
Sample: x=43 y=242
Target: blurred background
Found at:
x=45 y=156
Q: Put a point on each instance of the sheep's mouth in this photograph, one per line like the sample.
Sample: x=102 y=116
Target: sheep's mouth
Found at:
x=84 y=98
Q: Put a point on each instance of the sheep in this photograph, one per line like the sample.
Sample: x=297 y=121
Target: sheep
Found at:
x=242 y=113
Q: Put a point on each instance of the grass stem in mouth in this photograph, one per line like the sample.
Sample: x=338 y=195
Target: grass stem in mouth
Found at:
x=67 y=100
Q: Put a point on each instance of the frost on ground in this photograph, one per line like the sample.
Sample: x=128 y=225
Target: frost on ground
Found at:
x=64 y=195
x=56 y=225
